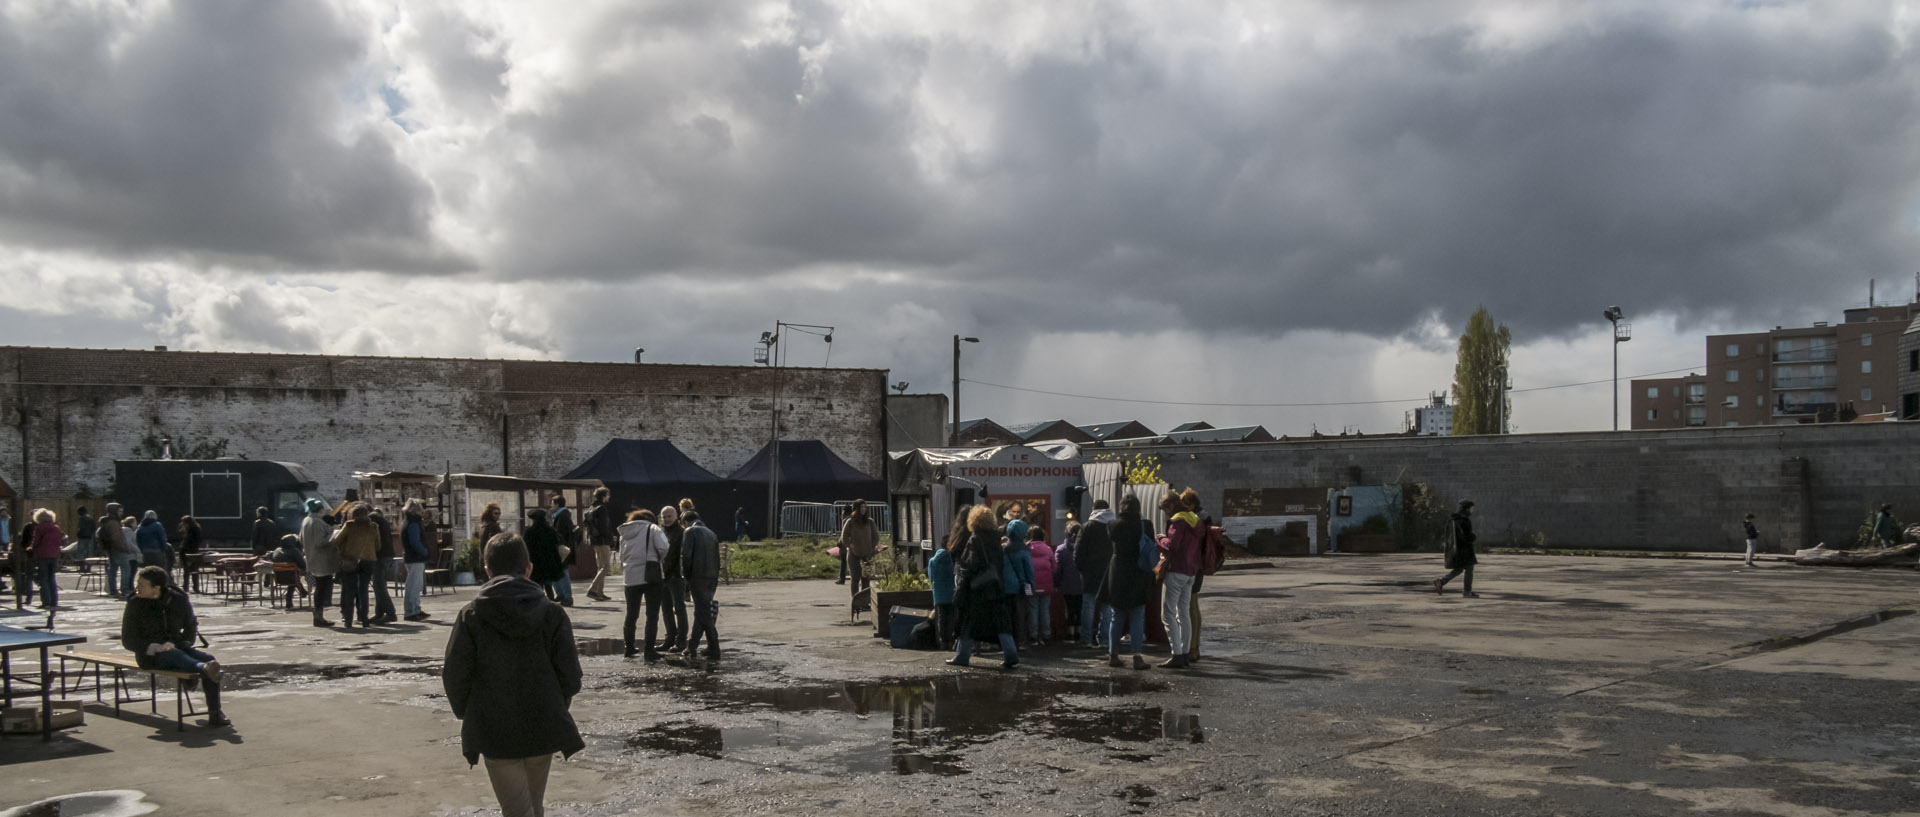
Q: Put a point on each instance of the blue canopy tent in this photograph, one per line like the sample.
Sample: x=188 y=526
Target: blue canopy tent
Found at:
x=809 y=472
x=652 y=473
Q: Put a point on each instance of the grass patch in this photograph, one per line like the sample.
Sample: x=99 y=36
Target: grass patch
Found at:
x=804 y=558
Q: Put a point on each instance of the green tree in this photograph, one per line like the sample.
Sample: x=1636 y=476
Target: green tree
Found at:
x=1479 y=377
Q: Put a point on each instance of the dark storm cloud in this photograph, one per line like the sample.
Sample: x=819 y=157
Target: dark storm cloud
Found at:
x=201 y=129
x=1700 y=161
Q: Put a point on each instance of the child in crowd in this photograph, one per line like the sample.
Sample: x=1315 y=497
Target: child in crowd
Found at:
x=1040 y=607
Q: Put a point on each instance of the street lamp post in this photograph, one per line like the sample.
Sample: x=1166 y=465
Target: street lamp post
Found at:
x=1621 y=334
x=774 y=354
x=953 y=435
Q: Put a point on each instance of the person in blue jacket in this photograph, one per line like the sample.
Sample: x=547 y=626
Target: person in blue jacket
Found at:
x=413 y=551
x=940 y=578
x=1016 y=575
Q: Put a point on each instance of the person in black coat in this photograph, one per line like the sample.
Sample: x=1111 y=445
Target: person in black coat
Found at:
x=543 y=548
x=383 y=612
x=510 y=675
x=1127 y=585
x=1460 y=556
x=159 y=628
x=1093 y=557
x=266 y=534
x=978 y=596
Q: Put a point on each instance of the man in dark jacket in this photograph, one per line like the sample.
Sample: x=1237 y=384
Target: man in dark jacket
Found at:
x=563 y=524
x=700 y=555
x=603 y=534
x=511 y=672
x=383 y=612
x=266 y=534
x=1460 y=556
x=413 y=551
x=1090 y=556
x=159 y=628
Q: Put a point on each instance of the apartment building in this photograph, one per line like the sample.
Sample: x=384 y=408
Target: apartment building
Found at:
x=1799 y=375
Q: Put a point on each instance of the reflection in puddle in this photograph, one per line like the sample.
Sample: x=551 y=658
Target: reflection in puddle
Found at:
x=926 y=722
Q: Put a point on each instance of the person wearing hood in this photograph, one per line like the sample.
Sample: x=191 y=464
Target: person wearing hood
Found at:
x=151 y=536
x=978 y=594
x=1092 y=553
x=323 y=559
x=543 y=549
x=510 y=675
x=1180 y=561
x=413 y=552
x=642 y=547
x=358 y=545
x=700 y=556
x=1128 y=583
x=1016 y=574
x=1460 y=555
x=940 y=577
x=159 y=628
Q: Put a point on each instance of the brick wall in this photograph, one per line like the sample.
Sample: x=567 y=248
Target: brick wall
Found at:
x=71 y=412
x=1683 y=489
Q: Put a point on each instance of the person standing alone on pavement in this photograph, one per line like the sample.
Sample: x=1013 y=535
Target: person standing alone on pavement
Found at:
x=603 y=534
x=510 y=675
x=1460 y=556
x=1753 y=538
x=859 y=541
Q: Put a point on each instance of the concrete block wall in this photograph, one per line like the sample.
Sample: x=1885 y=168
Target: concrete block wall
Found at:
x=1680 y=489
x=71 y=412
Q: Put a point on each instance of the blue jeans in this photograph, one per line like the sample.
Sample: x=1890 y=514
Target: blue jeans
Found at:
x=563 y=586
x=416 y=583
x=188 y=659
x=353 y=591
x=1136 y=625
x=46 y=571
x=963 y=649
x=120 y=570
x=1093 y=631
x=1040 y=616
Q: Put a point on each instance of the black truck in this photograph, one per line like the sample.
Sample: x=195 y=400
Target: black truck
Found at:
x=220 y=494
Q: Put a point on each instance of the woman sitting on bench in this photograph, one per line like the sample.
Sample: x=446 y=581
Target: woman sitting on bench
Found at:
x=159 y=629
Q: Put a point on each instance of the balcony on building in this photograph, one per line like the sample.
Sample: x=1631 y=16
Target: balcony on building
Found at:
x=1824 y=381
x=1789 y=409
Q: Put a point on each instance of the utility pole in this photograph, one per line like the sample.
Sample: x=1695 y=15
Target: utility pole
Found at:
x=953 y=433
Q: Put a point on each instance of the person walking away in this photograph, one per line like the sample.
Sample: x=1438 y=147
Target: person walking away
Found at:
x=323 y=558
x=159 y=628
x=358 y=543
x=383 y=612
x=1460 y=556
x=1753 y=538
x=700 y=556
x=191 y=545
x=543 y=548
x=1067 y=580
x=152 y=538
x=562 y=517
x=602 y=529
x=1040 y=604
x=113 y=545
x=82 y=548
x=859 y=541
x=642 y=547
x=44 y=548
x=941 y=581
x=673 y=586
x=978 y=594
x=740 y=532
x=20 y=555
x=1179 y=562
x=1129 y=579
x=1885 y=528
x=510 y=675
x=413 y=556
x=1016 y=572
x=1092 y=554
x=266 y=533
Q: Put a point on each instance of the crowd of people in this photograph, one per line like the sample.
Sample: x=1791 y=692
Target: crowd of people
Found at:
x=995 y=579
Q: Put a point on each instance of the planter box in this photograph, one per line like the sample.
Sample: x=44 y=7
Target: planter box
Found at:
x=1368 y=543
x=881 y=603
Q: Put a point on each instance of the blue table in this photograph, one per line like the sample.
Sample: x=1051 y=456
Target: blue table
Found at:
x=12 y=639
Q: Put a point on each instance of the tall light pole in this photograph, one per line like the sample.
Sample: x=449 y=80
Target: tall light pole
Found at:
x=773 y=356
x=1621 y=334
x=953 y=434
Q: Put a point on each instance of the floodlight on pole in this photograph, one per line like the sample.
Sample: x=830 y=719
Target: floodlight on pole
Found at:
x=1622 y=332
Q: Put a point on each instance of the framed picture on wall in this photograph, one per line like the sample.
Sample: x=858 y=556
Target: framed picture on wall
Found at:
x=1343 y=506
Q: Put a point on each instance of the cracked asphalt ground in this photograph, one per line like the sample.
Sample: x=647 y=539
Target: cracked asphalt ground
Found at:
x=1340 y=685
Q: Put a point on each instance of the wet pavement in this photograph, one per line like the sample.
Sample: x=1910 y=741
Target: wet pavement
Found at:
x=1330 y=686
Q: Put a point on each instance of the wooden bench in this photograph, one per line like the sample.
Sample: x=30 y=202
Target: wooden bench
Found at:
x=122 y=666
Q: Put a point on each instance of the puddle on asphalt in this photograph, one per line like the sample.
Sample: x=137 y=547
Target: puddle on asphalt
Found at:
x=588 y=647
x=266 y=676
x=910 y=727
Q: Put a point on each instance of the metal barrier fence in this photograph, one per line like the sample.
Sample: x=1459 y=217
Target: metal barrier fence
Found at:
x=821 y=519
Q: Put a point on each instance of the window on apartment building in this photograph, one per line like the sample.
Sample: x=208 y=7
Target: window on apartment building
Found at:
x=1732 y=423
x=1866 y=339
x=1653 y=392
x=1733 y=350
x=1866 y=394
x=1696 y=416
x=1652 y=415
x=1866 y=367
x=1733 y=375
x=1676 y=414
x=1760 y=375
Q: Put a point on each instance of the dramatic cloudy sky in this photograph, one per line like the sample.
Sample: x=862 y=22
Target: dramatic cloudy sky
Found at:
x=1194 y=202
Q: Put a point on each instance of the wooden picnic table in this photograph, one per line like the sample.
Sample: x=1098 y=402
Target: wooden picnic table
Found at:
x=13 y=639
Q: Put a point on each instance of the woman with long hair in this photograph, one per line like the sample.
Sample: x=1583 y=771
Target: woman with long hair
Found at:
x=978 y=594
x=940 y=577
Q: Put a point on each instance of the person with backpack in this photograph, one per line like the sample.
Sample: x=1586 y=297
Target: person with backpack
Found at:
x=1213 y=553
x=1129 y=580
x=1460 y=555
x=1753 y=538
